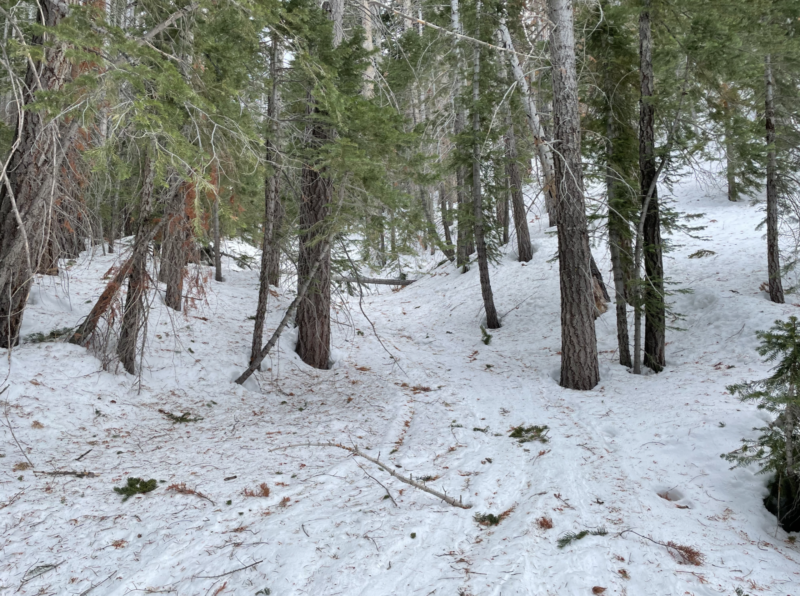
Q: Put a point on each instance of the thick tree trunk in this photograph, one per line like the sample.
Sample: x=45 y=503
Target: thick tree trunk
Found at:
x=492 y=320
x=175 y=246
x=271 y=191
x=653 y=291
x=29 y=180
x=314 y=310
x=524 y=247
x=579 y=364
x=773 y=254
x=133 y=315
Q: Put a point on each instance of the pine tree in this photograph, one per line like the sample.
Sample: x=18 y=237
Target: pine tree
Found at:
x=777 y=448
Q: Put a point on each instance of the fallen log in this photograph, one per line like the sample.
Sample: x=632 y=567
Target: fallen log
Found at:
x=374 y=281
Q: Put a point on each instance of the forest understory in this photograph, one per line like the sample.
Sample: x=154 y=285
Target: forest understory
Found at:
x=241 y=506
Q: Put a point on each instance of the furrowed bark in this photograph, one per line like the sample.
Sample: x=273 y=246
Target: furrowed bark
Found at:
x=773 y=252
x=579 y=364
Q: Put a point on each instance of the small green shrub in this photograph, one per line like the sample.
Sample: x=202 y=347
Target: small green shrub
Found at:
x=528 y=434
x=54 y=335
x=135 y=486
x=571 y=537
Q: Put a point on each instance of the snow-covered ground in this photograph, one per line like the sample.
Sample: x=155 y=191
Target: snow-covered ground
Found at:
x=429 y=398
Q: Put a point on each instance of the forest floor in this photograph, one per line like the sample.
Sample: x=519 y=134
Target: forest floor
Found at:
x=639 y=456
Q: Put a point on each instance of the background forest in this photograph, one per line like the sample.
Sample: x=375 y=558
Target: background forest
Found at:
x=335 y=148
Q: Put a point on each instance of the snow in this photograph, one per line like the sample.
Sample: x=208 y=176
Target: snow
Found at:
x=325 y=527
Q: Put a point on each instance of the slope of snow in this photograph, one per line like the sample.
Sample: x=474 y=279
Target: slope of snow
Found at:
x=425 y=395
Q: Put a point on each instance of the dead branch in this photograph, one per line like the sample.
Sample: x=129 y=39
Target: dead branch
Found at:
x=684 y=554
x=401 y=478
x=227 y=572
x=83 y=474
x=374 y=281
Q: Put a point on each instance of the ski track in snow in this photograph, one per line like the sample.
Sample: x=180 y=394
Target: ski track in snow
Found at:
x=326 y=527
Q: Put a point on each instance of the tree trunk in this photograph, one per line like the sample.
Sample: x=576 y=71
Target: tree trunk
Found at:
x=463 y=229
x=175 y=246
x=271 y=190
x=616 y=223
x=133 y=314
x=579 y=364
x=29 y=179
x=448 y=239
x=274 y=273
x=653 y=290
x=217 y=240
x=524 y=248
x=773 y=254
x=492 y=320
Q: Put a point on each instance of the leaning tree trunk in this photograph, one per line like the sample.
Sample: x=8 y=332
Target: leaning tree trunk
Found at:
x=133 y=316
x=773 y=254
x=524 y=247
x=543 y=149
x=579 y=364
x=652 y=293
x=271 y=190
x=492 y=320
x=29 y=177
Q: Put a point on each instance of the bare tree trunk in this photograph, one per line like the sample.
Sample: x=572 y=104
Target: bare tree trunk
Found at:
x=524 y=248
x=274 y=273
x=653 y=292
x=271 y=190
x=29 y=178
x=773 y=253
x=448 y=239
x=492 y=320
x=133 y=314
x=579 y=364
x=369 y=74
x=543 y=149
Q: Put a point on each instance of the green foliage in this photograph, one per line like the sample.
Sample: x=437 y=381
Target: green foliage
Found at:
x=777 y=448
x=183 y=418
x=54 y=335
x=528 y=434
x=487 y=519
x=486 y=337
x=570 y=537
x=135 y=486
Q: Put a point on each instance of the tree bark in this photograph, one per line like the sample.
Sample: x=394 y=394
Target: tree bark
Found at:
x=492 y=320
x=217 y=239
x=463 y=229
x=133 y=314
x=616 y=223
x=448 y=239
x=773 y=253
x=579 y=364
x=524 y=247
x=28 y=180
x=175 y=246
x=653 y=291
x=271 y=190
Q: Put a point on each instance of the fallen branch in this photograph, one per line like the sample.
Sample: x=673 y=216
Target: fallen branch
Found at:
x=228 y=572
x=374 y=281
x=359 y=453
x=68 y=473
x=684 y=554
x=185 y=490
x=11 y=500
x=93 y=586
